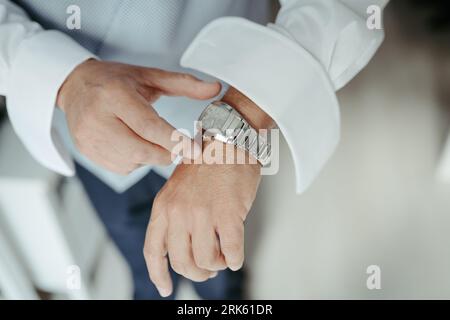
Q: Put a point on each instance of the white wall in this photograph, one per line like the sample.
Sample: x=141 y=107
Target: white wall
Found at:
x=377 y=201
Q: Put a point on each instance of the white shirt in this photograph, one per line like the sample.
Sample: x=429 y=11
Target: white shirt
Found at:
x=291 y=68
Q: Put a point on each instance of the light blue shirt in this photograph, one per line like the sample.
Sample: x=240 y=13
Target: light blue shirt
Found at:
x=290 y=69
x=151 y=33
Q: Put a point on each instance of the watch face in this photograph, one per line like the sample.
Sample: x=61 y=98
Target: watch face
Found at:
x=214 y=117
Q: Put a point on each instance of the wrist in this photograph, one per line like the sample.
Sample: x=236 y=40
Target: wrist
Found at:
x=253 y=114
x=70 y=86
x=218 y=152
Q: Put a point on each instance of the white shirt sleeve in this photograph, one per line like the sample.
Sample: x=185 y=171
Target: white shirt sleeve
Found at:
x=33 y=65
x=291 y=69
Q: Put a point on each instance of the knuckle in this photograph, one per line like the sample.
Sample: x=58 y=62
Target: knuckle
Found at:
x=232 y=247
x=187 y=76
x=155 y=277
x=134 y=167
x=147 y=126
x=150 y=251
x=140 y=155
x=121 y=172
x=142 y=124
x=200 y=210
x=159 y=206
x=161 y=158
x=157 y=124
x=148 y=73
x=124 y=169
x=129 y=168
x=142 y=73
x=205 y=261
x=147 y=251
x=175 y=210
x=241 y=211
x=114 y=83
x=178 y=266
x=199 y=277
x=158 y=202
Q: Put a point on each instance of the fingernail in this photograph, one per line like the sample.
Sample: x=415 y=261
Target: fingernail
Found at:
x=164 y=292
x=235 y=268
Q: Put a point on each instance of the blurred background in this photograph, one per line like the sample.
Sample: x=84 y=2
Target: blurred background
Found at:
x=383 y=199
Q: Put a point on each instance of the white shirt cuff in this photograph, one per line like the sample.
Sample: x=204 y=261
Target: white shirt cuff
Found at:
x=282 y=78
x=40 y=67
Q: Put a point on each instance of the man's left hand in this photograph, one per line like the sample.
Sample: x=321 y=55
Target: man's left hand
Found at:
x=197 y=219
x=198 y=222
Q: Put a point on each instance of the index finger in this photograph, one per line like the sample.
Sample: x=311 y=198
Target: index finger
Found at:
x=180 y=84
x=146 y=123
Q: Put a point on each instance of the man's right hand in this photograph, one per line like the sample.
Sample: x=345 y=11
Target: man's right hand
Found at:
x=109 y=113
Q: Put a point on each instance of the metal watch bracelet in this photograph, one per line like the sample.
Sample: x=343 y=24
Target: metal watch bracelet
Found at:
x=222 y=122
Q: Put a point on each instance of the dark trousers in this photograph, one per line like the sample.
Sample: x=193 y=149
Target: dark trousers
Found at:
x=126 y=216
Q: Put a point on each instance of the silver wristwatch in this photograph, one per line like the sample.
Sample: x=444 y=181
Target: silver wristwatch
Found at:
x=222 y=122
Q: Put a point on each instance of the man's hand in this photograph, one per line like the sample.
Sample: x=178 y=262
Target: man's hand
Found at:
x=109 y=113
x=197 y=219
